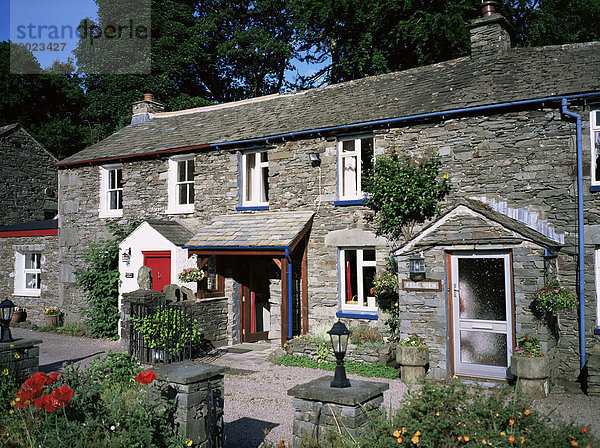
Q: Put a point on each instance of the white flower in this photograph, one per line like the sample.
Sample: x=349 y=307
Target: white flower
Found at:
x=112 y=428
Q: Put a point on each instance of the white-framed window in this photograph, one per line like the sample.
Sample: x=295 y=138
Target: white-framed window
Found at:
x=111 y=191
x=355 y=156
x=595 y=143
x=28 y=274
x=255 y=178
x=181 y=184
x=357 y=273
x=597 y=271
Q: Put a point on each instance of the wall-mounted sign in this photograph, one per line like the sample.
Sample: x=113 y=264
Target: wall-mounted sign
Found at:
x=128 y=274
x=421 y=285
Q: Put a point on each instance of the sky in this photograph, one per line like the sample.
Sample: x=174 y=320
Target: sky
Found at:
x=20 y=21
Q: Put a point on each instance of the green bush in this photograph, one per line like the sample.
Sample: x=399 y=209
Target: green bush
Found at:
x=374 y=369
x=108 y=409
x=100 y=279
x=366 y=335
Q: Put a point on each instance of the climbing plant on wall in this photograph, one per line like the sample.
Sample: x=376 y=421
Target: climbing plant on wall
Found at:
x=100 y=280
x=403 y=192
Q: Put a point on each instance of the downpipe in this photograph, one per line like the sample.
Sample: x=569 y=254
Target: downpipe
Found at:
x=580 y=235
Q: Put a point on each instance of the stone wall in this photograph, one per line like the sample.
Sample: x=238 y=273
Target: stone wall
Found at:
x=48 y=246
x=25 y=173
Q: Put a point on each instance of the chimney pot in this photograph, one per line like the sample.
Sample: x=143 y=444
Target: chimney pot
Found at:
x=148 y=97
x=488 y=8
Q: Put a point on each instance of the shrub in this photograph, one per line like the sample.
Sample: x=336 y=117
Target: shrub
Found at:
x=528 y=347
x=100 y=406
x=365 y=335
x=374 y=369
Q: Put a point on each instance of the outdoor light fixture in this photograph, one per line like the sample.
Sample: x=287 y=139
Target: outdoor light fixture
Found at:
x=7 y=308
x=416 y=267
x=315 y=159
x=339 y=334
x=126 y=257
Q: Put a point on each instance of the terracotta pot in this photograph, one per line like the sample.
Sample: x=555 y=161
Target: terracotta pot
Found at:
x=18 y=316
x=52 y=321
x=407 y=355
x=530 y=368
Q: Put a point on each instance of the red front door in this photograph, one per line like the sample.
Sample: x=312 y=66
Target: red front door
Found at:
x=160 y=263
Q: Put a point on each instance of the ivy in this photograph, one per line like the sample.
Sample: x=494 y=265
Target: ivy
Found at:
x=403 y=192
x=100 y=280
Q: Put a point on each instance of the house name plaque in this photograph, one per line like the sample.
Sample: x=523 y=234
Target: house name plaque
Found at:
x=422 y=285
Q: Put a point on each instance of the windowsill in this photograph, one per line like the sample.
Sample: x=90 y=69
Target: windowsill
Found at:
x=345 y=202
x=371 y=315
x=594 y=188
x=597 y=330
x=35 y=293
x=252 y=207
x=111 y=215
x=179 y=211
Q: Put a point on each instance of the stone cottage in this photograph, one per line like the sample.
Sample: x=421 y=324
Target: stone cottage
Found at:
x=269 y=191
x=28 y=224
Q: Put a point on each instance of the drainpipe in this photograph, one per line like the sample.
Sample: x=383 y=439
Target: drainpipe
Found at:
x=289 y=274
x=579 y=231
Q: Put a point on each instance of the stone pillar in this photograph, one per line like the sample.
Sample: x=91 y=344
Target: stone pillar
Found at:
x=320 y=408
x=198 y=391
x=20 y=357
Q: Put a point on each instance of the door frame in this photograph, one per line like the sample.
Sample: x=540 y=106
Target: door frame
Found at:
x=511 y=313
x=246 y=290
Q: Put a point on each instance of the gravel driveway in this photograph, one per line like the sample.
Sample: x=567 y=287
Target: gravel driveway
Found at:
x=256 y=397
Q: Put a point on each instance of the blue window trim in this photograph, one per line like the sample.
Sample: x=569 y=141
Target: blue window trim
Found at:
x=253 y=207
x=372 y=315
x=594 y=188
x=349 y=202
x=597 y=330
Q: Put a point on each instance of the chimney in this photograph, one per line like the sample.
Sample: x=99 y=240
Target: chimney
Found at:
x=490 y=34
x=144 y=110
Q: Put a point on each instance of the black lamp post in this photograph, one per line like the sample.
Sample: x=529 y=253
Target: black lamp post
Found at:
x=7 y=309
x=339 y=334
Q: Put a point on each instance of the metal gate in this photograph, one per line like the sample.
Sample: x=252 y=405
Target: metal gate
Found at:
x=160 y=334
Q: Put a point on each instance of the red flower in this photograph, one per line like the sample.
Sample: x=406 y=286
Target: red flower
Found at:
x=50 y=403
x=64 y=394
x=36 y=381
x=52 y=378
x=145 y=377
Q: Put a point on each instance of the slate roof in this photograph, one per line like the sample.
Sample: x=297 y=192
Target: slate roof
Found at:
x=7 y=128
x=46 y=224
x=488 y=212
x=260 y=230
x=172 y=231
x=522 y=74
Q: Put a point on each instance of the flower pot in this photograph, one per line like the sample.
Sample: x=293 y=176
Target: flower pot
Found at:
x=412 y=360
x=18 y=316
x=52 y=321
x=532 y=375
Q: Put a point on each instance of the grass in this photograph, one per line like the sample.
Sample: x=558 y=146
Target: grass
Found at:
x=371 y=370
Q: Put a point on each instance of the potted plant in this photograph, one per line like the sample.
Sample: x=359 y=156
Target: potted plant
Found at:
x=413 y=356
x=52 y=316
x=167 y=333
x=19 y=315
x=529 y=364
x=190 y=275
x=553 y=299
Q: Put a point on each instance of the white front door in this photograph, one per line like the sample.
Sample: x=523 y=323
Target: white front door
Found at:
x=481 y=312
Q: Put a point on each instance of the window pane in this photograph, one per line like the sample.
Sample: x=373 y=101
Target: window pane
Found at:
x=264 y=156
x=32 y=261
x=369 y=255
x=482 y=288
x=113 y=200
x=366 y=154
x=32 y=281
x=350 y=288
x=190 y=193
x=368 y=277
x=112 y=182
x=211 y=273
x=480 y=347
x=119 y=177
x=182 y=196
x=190 y=170
x=120 y=199
x=348 y=145
x=250 y=164
x=265 y=185
x=348 y=176
x=181 y=171
x=597 y=145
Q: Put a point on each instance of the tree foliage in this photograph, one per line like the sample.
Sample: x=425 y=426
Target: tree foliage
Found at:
x=100 y=280
x=403 y=192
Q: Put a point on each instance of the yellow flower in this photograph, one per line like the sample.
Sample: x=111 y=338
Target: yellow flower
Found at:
x=404 y=430
x=445 y=176
x=467 y=438
x=5 y=371
x=17 y=356
x=12 y=345
x=511 y=438
x=11 y=412
x=437 y=414
x=522 y=439
x=399 y=440
x=527 y=411
x=396 y=433
x=188 y=442
x=17 y=399
x=511 y=422
x=12 y=403
x=415 y=438
x=502 y=433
